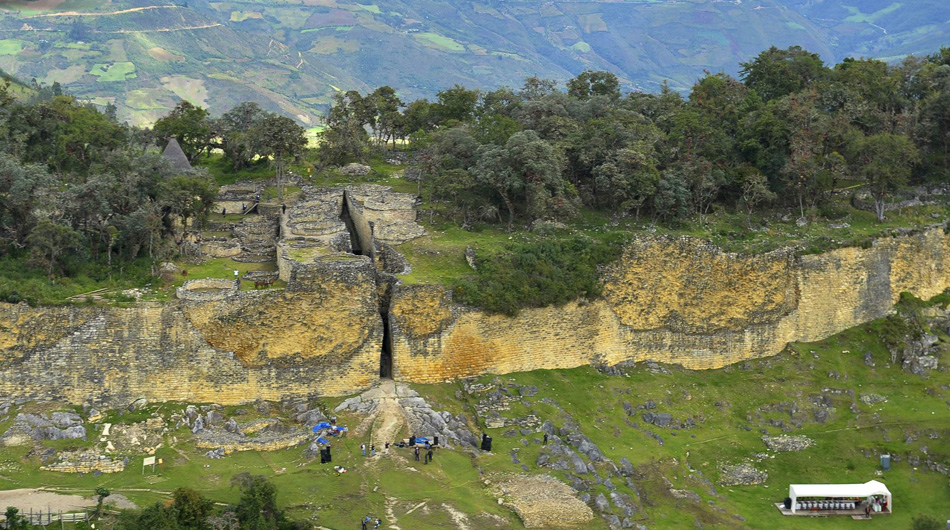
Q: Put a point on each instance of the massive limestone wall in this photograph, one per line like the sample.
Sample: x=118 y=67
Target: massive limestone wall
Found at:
x=324 y=340
x=671 y=300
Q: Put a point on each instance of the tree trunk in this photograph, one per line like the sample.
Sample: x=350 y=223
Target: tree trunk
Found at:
x=511 y=211
x=879 y=209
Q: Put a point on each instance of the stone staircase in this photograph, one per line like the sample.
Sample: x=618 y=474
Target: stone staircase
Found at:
x=258 y=235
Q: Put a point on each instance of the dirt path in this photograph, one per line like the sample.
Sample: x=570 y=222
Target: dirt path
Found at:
x=164 y=30
x=386 y=420
x=390 y=417
x=391 y=514
x=461 y=520
x=102 y=14
x=384 y=424
x=42 y=501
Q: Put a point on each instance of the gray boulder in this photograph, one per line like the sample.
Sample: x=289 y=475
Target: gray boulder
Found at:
x=65 y=419
x=601 y=503
x=198 y=426
x=214 y=417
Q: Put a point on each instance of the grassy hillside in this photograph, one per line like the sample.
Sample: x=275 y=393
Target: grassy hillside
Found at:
x=842 y=393
x=290 y=56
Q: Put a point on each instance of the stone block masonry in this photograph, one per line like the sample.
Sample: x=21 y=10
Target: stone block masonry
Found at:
x=668 y=300
x=253 y=345
x=671 y=300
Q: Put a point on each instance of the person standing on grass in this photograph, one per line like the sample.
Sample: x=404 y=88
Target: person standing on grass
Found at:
x=545 y=438
x=372 y=450
x=363 y=449
x=429 y=455
x=416 y=451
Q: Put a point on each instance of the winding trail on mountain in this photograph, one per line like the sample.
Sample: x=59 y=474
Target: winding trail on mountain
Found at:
x=102 y=14
x=162 y=30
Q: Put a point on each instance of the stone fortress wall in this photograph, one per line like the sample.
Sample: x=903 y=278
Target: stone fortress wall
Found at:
x=672 y=300
x=669 y=300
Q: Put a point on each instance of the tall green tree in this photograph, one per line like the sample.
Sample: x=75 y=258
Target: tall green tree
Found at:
x=49 y=241
x=386 y=119
x=886 y=160
x=257 y=509
x=234 y=128
x=24 y=189
x=627 y=179
x=345 y=136
x=592 y=83
x=457 y=104
x=189 y=125
x=281 y=139
x=776 y=73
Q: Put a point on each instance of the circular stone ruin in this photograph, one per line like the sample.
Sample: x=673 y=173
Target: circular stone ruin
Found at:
x=207 y=289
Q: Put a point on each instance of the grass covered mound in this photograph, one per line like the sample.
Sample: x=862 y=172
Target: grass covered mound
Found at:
x=539 y=273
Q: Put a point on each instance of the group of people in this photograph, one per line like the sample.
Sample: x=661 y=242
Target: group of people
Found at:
x=427 y=453
x=367 y=520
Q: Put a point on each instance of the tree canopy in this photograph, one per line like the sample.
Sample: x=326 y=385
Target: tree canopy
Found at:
x=787 y=132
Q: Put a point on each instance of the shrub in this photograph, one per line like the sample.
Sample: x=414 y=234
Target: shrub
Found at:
x=925 y=522
x=539 y=273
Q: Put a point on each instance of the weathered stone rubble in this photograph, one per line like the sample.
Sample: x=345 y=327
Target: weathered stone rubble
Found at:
x=785 y=443
x=423 y=420
x=541 y=501
x=86 y=462
x=223 y=437
x=55 y=426
x=872 y=399
x=918 y=356
x=568 y=450
x=355 y=169
x=741 y=474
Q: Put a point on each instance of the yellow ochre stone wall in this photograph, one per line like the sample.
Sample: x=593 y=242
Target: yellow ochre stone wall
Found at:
x=254 y=345
x=672 y=300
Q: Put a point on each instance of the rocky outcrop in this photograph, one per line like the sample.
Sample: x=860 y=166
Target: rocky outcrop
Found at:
x=542 y=501
x=34 y=427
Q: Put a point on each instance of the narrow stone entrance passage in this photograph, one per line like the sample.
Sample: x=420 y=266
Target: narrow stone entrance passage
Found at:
x=384 y=285
x=348 y=221
x=386 y=356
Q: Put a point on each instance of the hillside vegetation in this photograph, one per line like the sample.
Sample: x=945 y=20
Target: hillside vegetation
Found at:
x=292 y=56
x=543 y=184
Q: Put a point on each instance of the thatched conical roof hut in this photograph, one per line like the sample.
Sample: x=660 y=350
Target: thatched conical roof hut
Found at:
x=176 y=156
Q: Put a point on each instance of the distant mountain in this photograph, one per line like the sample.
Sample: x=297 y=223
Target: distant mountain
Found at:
x=291 y=55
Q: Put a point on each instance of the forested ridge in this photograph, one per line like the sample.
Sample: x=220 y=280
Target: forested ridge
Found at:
x=786 y=133
x=84 y=196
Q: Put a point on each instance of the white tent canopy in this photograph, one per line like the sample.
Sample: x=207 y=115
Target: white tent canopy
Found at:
x=838 y=491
